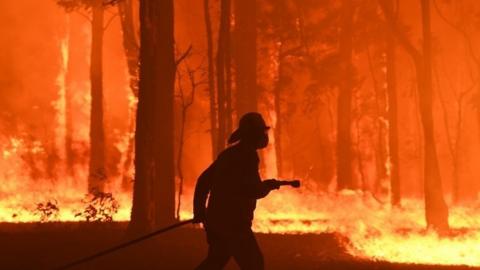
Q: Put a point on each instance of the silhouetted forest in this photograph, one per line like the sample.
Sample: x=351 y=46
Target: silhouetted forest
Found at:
x=111 y=109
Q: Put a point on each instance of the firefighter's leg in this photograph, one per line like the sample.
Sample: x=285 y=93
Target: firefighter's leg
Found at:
x=218 y=252
x=246 y=251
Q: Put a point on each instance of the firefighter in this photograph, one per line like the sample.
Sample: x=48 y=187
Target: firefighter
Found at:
x=233 y=185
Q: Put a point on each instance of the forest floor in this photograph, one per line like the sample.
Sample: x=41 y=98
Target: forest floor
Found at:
x=49 y=245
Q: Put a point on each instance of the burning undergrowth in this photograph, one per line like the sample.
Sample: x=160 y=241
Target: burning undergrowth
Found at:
x=99 y=206
x=364 y=225
x=48 y=211
x=30 y=192
x=375 y=230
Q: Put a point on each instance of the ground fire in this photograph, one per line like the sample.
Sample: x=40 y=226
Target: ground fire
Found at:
x=111 y=110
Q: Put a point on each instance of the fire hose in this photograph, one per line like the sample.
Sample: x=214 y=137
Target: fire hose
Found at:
x=123 y=245
x=294 y=183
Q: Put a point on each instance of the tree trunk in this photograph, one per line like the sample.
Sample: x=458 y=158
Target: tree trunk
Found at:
x=381 y=148
x=154 y=186
x=211 y=80
x=179 y=162
x=97 y=174
x=436 y=211
x=344 y=140
x=228 y=71
x=277 y=95
x=221 y=73
x=246 y=56
x=130 y=45
x=395 y=197
x=69 y=152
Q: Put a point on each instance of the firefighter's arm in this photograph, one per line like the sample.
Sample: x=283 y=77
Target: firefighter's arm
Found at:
x=202 y=188
x=254 y=187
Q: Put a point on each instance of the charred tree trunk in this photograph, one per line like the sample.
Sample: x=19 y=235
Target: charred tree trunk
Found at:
x=130 y=45
x=245 y=56
x=211 y=79
x=228 y=71
x=344 y=140
x=221 y=74
x=436 y=211
x=97 y=174
x=456 y=156
x=470 y=49
x=393 y=123
x=277 y=95
x=381 y=148
x=186 y=103
x=395 y=197
x=69 y=152
x=454 y=141
x=154 y=186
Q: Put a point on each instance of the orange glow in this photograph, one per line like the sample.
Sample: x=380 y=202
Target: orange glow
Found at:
x=36 y=185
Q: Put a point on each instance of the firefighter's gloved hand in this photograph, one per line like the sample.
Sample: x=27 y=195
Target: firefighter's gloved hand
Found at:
x=198 y=218
x=272 y=184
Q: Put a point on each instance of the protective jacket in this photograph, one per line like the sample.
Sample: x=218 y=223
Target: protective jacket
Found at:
x=234 y=185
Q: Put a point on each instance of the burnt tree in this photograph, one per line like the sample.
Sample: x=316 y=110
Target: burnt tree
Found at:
x=279 y=21
x=395 y=198
x=223 y=87
x=154 y=185
x=460 y=24
x=436 y=210
x=130 y=41
x=344 y=114
x=186 y=97
x=70 y=154
x=245 y=54
x=97 y=172
x=279 y=88
x=211 y=78
x=228 y=69
x=131 y=47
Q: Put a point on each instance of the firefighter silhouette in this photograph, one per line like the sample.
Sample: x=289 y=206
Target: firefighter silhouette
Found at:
x=232 y=184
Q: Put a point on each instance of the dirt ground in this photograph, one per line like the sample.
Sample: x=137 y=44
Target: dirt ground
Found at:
x=49 y=245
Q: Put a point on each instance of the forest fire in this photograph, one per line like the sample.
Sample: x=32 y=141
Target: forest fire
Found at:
x=372 y=230
x=368 y=104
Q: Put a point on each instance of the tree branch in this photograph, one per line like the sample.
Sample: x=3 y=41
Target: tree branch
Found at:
x=464 y=33
x=84 y=16
x=183 y=56
x=110 y=21
x=406 y=44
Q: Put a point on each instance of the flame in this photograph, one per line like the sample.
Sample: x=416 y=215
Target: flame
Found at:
x=63 y=198
x=60 y=103
x=376 y=230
